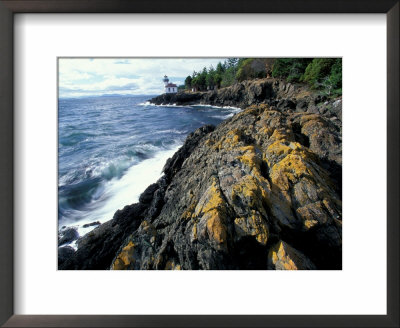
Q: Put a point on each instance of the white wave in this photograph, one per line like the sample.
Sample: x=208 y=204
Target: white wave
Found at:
x=125 y=191
x=149 y=104
x=223 y=117
x=174 y=105
x=146 y=103
x=170 y=131
x=236 y=109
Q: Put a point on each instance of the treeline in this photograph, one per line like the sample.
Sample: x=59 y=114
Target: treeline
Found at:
x=324 y=74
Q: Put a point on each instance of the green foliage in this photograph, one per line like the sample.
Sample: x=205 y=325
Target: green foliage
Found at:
x=317 y=71
x=210 y=78
x=324 y=74
x=188 y=82
x=251 y=68
x=291 y=69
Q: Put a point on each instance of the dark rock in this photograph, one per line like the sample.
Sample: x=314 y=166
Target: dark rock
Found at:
x=91 y=224
x=319 y=98
x=68 y=235
x=64 y=253
x=302 y=105
x=286 y=104
x=262 y=190
x=97 y=249
x=147 y=196
x=224 y=207
x=174 y=164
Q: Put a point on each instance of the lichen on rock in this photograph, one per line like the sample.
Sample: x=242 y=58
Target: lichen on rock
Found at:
x=260 y=191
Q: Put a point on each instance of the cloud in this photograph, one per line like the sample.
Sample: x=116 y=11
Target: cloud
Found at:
x=97 y=76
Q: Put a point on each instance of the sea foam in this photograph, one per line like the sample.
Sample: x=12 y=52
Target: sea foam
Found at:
x=124 y=191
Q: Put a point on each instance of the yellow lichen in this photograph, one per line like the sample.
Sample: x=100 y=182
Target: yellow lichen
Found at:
x=189 y=211
x=148 y=228
x=213 y=197
x=285 y=257
x=310 y=223
x=229 y=141
x=254 y=225
x=211 y=208
x=250 y=189
x=171 y=265
x=293 y=166
x=281 y=259
x=216 y=227
x=124 y=258
x=209 y=142
x=194 y=232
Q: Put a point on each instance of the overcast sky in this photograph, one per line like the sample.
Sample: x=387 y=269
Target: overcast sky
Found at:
x=133 y=76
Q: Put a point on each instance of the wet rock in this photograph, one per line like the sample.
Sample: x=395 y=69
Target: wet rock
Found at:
x=67 y=236
x=147 y=196
x=91 y=224
x=64 y=253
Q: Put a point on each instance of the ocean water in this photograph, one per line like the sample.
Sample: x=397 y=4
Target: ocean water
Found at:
x=111 y=148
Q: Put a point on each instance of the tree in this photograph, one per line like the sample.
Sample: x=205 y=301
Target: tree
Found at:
x=251 y=68
x=188 y=82
x=317 y=70
x=220 y=69
x=210 y=78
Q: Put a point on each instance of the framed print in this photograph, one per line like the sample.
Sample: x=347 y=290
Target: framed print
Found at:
x=167 y=164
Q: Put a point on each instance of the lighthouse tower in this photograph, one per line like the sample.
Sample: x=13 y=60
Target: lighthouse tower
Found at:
x=169 y=87
x=165 y=80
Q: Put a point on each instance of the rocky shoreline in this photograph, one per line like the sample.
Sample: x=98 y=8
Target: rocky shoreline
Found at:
x=262 y=190
x=273 y=92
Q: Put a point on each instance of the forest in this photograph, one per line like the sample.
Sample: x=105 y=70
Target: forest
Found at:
x=323 y=74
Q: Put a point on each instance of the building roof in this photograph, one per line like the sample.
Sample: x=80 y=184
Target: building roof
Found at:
x=170 y=85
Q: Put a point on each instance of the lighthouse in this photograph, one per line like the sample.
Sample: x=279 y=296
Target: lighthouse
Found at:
x=169 y=87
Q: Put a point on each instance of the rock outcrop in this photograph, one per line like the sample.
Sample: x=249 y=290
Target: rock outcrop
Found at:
x=260 y=191
x=270 y=91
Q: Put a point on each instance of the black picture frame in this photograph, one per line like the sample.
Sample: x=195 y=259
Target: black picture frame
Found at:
x=10 y=7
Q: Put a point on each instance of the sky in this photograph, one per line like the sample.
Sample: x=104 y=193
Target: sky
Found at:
x=82 y=77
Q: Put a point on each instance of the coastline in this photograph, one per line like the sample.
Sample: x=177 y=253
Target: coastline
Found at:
x=264 y=94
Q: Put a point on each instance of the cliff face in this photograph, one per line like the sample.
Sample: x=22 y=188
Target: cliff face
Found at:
x=274 y=92
x=260 y=191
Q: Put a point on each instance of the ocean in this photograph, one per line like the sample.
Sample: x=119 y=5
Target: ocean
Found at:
x=110 y=148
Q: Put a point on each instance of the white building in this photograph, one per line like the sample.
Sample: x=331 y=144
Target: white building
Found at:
x=169 y=87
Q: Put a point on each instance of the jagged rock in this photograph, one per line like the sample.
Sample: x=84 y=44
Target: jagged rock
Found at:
x=284 y=257
x=147 y=196
x=260 y=191
x=67 y=236
x=97 y=249
x=253 y=177
x=240 y=95
x=91 y=224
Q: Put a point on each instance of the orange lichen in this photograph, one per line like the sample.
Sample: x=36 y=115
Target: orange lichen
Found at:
x=124 y=258
x=284 y=257
x=211 y=209
x=229 y=141
x=216 y=227
x=293 y=166
x=171 y=265
x=189 y=211
x=254 y=225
